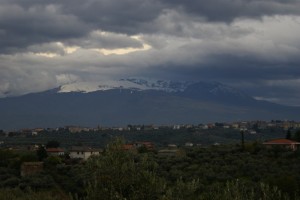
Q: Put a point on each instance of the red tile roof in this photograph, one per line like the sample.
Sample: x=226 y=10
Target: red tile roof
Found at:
x=128 y=146
x=54 y=150
x=281 y=141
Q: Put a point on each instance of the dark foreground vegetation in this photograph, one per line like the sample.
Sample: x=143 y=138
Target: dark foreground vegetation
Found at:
x=216 y=172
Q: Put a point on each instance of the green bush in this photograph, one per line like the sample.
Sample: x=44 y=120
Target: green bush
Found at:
x=120 y=175
x=16 y=194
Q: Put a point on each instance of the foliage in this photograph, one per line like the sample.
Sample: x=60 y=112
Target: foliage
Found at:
x=297 y=136
x=17 y=194
x=52 y=144
x=217 y=165
x=288 y=134
x=237 y=190
x=120 y=175
x=52 y=161
x=41 y=153
x=216 y=172
x=6 y=157
x=160 y=137
x=37 y=182
x=183 y=190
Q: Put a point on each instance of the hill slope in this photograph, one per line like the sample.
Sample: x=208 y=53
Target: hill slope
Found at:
x=175 y=103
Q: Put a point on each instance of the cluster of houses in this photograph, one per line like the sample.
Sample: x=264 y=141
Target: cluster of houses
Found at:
x=75 y=152
x=83 y=153
x=250 y=126
x=136 y=145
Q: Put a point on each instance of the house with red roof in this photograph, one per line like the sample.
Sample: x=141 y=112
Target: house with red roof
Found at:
x=128 y=147
x=148 y=145
x=82 y=152
x=290 y=144
x=134 y=146
x=55 y=151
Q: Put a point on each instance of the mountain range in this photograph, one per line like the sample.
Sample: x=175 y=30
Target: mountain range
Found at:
x=137 y=101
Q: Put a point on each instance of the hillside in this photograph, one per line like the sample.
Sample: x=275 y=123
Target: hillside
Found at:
x=172 y=103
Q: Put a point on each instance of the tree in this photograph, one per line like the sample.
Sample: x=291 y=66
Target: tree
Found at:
x=52 y=144
x=288 y=134
x=52 y=161
x=236 y=190
x=17 y=194
x=118 y=174
x=242 y=140
x=41 y=153
x=297 y=136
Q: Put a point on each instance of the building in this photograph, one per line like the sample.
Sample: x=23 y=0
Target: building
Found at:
x=168 y=152
x=55 y=151
x=189 y=144
x=290 y=144
x=128 y=147
x=77 y=129
x=172 y=146
x=30 y=168
x=148 y=145
x=82 y=152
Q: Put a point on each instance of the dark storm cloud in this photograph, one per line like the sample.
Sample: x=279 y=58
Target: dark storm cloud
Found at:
x=105 y=40
x=228 y=10
x=125 y=16
x=24 y=23
x=228 y=68
x=22 y=27
x=254 y=42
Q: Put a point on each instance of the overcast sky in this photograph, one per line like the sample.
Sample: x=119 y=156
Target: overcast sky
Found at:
x=253 y=45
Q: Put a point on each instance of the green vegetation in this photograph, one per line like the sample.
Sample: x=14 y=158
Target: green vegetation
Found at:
x=297 y=136
x=52 y=144
x=16 y=194
x=160 y=137
x=216 y=172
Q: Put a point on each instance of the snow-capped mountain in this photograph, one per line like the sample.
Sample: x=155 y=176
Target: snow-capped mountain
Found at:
x=86 y=87
x=138 y=84
x=136 y=101
x=142 y=84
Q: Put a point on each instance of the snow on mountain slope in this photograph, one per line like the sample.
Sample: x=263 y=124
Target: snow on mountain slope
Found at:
x=86 y=87
x=141 y=84
x=169 y=86
x=130 y=83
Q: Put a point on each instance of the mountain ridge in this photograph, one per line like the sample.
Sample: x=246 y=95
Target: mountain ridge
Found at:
x=199 y=102
x=139 y=84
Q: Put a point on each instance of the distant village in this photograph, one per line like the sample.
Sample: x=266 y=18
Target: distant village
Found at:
x=251 y=127
x=83 y=152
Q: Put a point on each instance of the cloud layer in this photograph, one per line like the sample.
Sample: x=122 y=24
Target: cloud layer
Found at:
x=250 y=44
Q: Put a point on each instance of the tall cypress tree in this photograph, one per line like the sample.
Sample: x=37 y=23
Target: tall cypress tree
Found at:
x=288 y=134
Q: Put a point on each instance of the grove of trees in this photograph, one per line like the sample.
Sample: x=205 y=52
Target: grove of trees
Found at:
x=216 y=172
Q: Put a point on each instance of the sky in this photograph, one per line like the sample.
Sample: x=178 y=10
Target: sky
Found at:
x=252 y=45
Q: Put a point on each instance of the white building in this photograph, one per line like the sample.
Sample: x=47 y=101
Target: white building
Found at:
x=83 y=152
x=189 y=144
